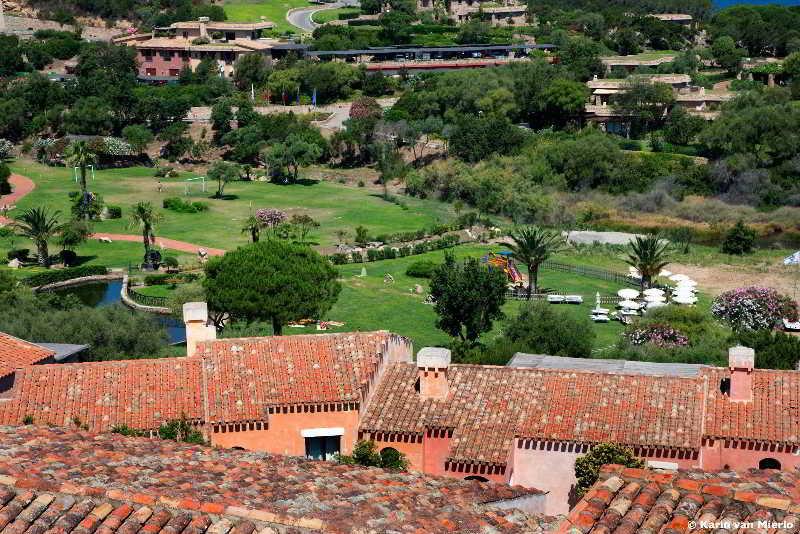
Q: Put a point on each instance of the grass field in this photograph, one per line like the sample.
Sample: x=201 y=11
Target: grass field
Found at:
x=322 y=17
x=367 y=303
x=272 y=10
x=335 y=206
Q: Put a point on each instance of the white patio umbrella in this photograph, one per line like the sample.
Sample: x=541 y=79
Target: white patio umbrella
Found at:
x=685 y=300
x=678 y=277
x=653 y=291
x=630 y=305
x=665 y=273
x=627 y=293
x=683 y=293
x=655 y=304
x=655 y=298
x=686 y=283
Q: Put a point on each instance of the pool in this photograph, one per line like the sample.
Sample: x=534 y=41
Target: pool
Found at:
x=98 y=294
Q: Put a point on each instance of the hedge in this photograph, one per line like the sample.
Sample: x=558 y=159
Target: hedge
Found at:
x=162 y=279
x=390 y=253
x=60 y=275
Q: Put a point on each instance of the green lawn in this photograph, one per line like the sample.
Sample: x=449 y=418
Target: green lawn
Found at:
x=367 y=303
x=272 y=10
x=322 y=17
x=335 y=206
x=157 y=291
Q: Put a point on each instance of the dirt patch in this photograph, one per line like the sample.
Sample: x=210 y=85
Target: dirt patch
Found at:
x=721 y=278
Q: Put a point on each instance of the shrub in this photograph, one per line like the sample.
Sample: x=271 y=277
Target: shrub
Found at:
x=170 y=261
x=68 y=257
x=50 y=277
x=774 y=350
x=739 y=239
x=405 y=251
x=20 y=254
x=364 y=453
x=754 y=308
x=545 y=329
x=357 y=257
x=163 y=279
x=374 y=254
x=389 y=253
x=421 y=269
x=114 y=212
x=181 y=206
x=587 y=467
x=660 y=335
x=420 y=248
x=339 y=259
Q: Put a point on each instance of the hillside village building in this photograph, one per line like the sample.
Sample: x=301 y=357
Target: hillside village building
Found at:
x=166 y=51
x=316 y=395
x=694 y=99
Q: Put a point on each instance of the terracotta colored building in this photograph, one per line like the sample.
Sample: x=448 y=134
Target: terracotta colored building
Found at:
x=166 y=51
x=315 y=395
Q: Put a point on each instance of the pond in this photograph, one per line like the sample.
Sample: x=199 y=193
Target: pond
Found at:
x=97 y=294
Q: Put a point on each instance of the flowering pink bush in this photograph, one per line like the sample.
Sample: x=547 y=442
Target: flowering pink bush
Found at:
x=660 y=335
x=754 y=308
x=270 y=217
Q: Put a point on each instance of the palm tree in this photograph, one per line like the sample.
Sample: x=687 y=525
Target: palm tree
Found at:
x=252 y=226
x=40 y=226
x=648 y=255
x=145 y=218
x=78 y=154
x=531 y=246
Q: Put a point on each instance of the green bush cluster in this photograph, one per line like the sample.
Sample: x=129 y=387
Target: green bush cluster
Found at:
x=60 y=275
x=390 y=253
x=114 y=212
x=421 y=269
x=164 y=279
x=182 y=206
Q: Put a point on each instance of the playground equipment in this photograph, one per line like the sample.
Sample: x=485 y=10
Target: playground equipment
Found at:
x=503 y=261
x=189 y=183
x=76 y=172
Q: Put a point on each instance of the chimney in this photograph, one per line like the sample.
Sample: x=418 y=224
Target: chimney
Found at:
x=195 y=316
x=432 y=364
x=203 y=30
x=741 y=361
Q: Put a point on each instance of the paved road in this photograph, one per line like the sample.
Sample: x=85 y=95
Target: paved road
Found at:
x=21 y=186
x=301 y=18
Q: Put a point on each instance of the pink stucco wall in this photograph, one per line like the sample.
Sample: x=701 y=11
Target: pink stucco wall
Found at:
x=719 y=454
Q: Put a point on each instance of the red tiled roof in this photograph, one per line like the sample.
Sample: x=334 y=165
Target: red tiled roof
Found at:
x=16 y=353
x=157 y=482
x=625 y=501
x=773 y=415
x=228 y=381
x=138 y=393
x=488 y=406
x=246 y=376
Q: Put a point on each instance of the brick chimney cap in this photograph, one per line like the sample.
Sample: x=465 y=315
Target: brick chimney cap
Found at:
x=434 y=357
x=195 y=312
x=740 y=357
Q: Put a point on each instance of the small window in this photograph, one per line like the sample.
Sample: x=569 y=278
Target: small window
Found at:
x=769 y=463
x=725 y=386
x=477 y=477
x=323 y=447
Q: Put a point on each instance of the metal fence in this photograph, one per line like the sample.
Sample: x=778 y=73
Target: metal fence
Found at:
x=516 y=294
x=147 y=300
x=592 y=272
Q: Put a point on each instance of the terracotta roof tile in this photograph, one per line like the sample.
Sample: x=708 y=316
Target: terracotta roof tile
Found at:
x=89 y=483
x=138 y=393
x=773 y=415
x=246 y=376
x=488 y=406
x=16 y=353
x=644 y=501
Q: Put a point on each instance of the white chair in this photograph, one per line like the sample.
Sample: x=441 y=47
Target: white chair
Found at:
x=555 y=299
x=573 y=299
